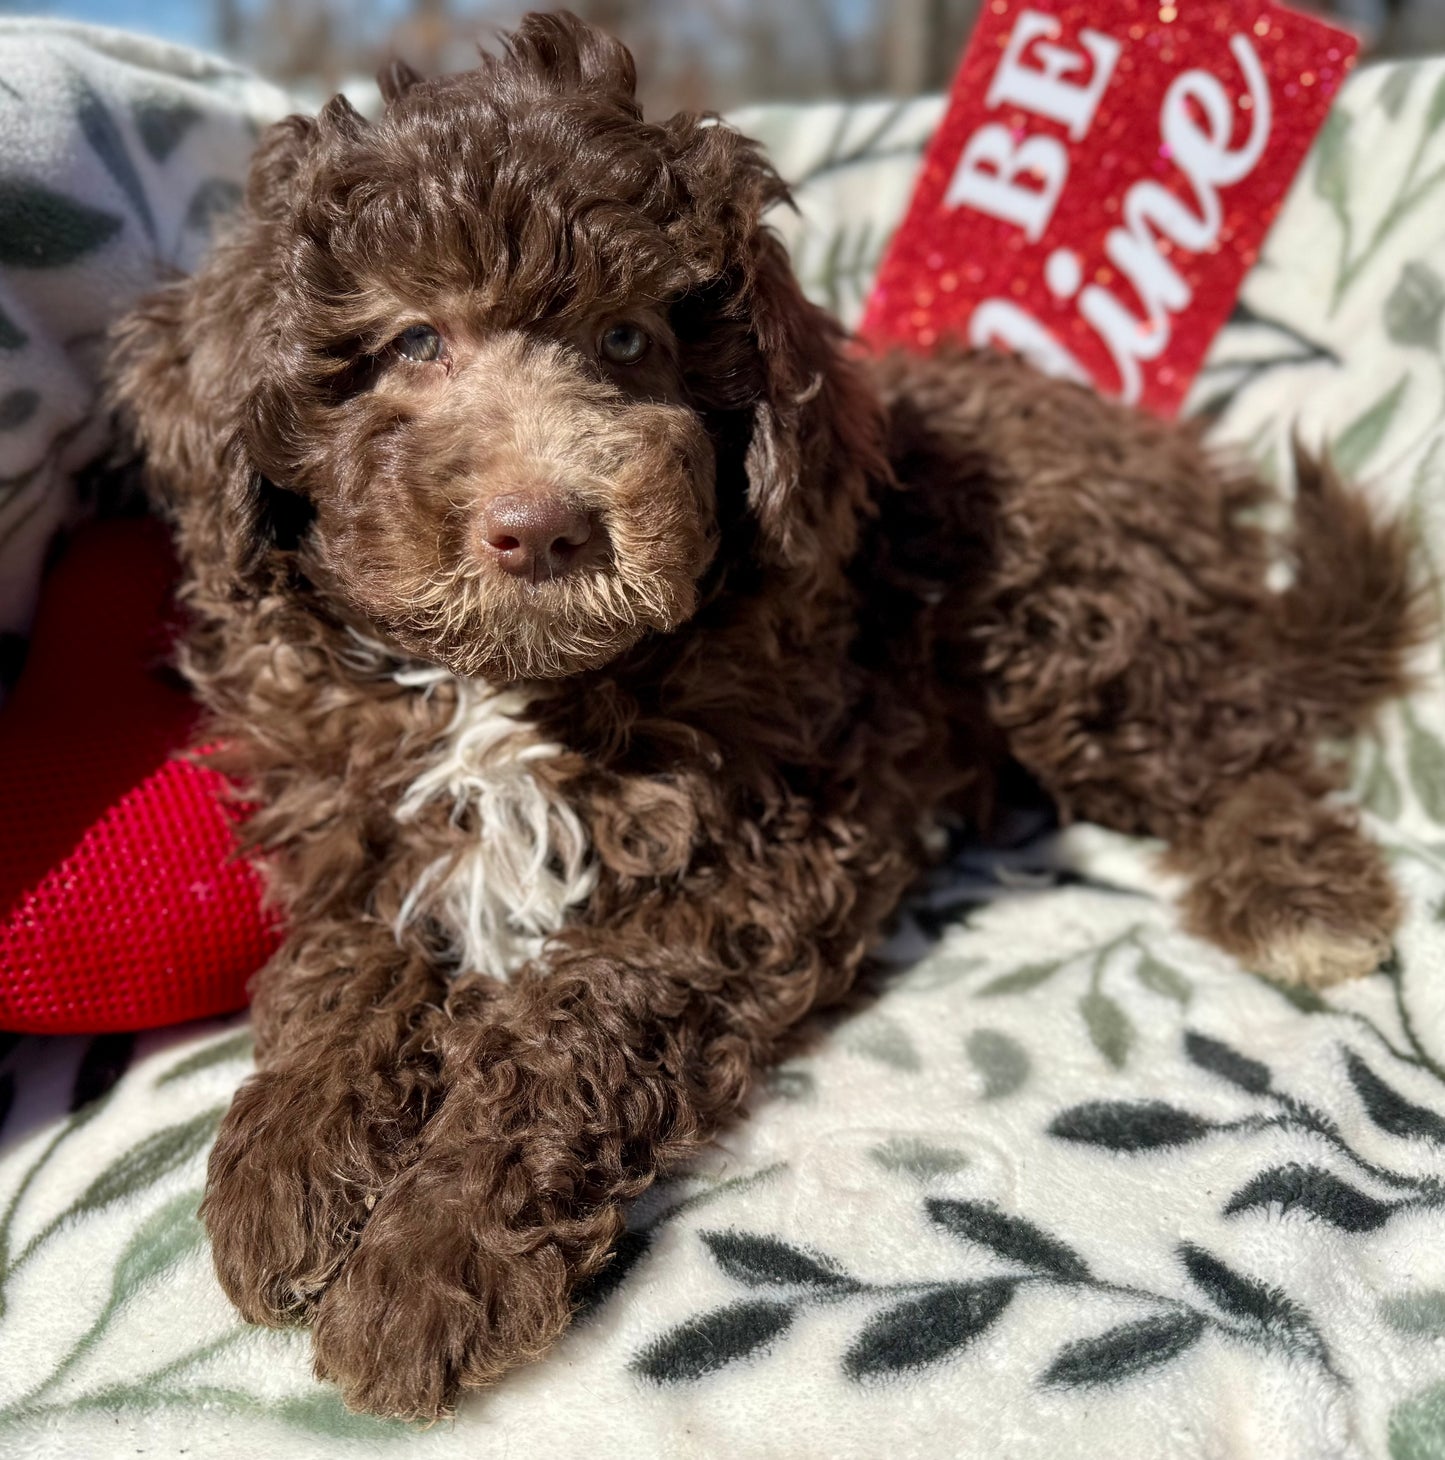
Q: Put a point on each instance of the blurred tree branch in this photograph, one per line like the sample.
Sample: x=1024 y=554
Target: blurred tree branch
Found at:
x=691 y=54
x=698 y=54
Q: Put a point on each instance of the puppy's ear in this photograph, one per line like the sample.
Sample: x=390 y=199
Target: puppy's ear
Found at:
x=395 y=79
x=558 y=53
x=816 y=429
x=794 y=409
x=171 y=382
x=185 y=365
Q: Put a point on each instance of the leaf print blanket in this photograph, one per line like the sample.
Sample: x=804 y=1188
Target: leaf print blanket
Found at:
x=1073 y=1184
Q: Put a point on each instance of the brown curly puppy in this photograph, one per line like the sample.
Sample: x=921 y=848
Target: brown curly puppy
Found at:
x=600 y=638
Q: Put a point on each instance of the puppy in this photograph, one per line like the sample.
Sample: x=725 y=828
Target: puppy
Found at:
x=600 y=636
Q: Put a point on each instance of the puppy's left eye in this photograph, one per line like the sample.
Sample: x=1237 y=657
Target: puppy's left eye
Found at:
x=625 y=344
x=420 y=342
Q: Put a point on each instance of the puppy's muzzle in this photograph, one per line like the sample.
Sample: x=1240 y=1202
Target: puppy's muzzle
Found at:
x=537 y=534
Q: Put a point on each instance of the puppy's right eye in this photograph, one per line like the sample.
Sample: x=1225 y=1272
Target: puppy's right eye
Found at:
x=624 y=344
x=419 y=342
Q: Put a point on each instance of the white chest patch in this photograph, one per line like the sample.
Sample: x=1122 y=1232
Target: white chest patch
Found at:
x=528 y=861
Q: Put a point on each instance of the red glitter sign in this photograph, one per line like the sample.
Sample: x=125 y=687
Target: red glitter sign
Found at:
x=1103 y=179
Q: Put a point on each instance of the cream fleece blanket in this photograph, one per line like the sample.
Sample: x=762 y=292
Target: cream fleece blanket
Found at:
x=1075 y=1185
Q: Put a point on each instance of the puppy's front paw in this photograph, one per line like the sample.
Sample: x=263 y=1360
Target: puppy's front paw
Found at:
x=430 y=1303
x=291 y=1178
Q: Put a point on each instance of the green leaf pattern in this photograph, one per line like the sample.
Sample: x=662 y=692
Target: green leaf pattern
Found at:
x=1108 y=1026
x=215 y=197
x=44 y=229
x=146 y=1163
x=1417 y=1428
x=163 y=122
x=1396 y=90
x=1361 y=439
x=1000 y=1059
x=100 y=130
x=1425 y=758
x=1421 y=1312
x=1415 y=306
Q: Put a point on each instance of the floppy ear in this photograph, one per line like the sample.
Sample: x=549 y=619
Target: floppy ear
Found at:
x=816 y=430
x=180 y=374
x=174 y=395
x=809 y=436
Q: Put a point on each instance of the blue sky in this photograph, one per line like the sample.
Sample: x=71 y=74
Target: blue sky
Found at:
x=192 y=22
x=179 y=20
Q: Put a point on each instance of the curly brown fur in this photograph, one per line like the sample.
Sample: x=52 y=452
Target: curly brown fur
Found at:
x=567 y=855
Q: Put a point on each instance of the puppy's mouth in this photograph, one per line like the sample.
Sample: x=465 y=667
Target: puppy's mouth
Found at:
x=486 y=622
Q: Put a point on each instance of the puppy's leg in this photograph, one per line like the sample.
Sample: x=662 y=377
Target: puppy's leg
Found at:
x=345 y=1080
x=470 y=1256
x=1113 y=594
x=616 y=1057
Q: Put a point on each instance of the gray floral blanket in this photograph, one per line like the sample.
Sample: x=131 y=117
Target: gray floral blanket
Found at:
x=116 y=156
x=1073 y=1184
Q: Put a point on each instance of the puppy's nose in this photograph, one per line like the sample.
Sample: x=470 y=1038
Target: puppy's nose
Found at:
x=534 y=535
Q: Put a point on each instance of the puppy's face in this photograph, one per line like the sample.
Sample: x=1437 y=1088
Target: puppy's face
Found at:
x=513 y=493
x=488 y=407
x=502 y=373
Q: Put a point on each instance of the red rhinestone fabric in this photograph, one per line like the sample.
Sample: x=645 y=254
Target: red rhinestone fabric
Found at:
x=150 y=920
x=122 y=902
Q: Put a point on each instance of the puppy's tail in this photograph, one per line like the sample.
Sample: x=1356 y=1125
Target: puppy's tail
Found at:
x=1359 y=605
